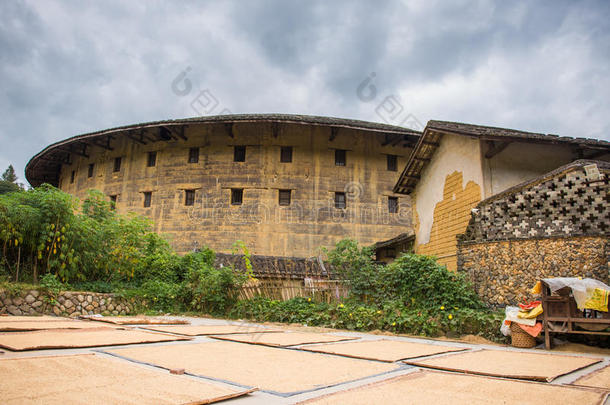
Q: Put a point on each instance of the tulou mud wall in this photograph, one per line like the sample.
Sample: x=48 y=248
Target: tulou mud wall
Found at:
x=294 y=228
x=555 y=226
x=67 y=303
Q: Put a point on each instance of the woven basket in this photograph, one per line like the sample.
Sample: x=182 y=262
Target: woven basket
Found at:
x=521 y=338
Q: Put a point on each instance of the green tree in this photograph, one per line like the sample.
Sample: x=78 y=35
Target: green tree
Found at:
x=8 y=187
x=9 y=175
x=45 y=230
x=8 y=184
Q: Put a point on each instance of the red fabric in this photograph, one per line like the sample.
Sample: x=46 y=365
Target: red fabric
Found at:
x=532 y=330
x=531 y=305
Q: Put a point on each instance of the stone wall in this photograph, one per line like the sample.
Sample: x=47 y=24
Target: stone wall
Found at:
x=503 y=272
x=68 y=303
x=554 y=226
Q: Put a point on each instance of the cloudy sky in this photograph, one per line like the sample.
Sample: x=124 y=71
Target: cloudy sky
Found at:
x=71 y=67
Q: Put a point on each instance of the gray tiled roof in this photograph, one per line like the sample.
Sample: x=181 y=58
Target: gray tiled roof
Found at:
x=431 y=138
x=43 y=167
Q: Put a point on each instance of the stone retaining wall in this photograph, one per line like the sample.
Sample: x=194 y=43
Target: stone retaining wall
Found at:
x=67 y=303
x=503 y=272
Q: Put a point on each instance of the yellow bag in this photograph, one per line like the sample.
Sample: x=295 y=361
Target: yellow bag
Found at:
x=598 y=300
x=531 y=314
x=537 y=289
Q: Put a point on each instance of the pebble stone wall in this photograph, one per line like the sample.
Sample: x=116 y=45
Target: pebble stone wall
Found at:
x=556 y=226
x=504 y=272
x=68 y=303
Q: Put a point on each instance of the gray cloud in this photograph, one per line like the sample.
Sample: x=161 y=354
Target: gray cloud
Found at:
x=77 y=66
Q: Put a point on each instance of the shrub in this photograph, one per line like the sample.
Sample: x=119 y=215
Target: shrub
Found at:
x=393 y=316
x=51 y=283
x=160 y=295
x=412 y=280
x=160 y=265
x=418 y=281
x=208 y=289
x=356 y=265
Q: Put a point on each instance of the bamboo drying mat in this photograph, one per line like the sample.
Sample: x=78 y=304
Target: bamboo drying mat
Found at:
x=598 y=379
x=425 y=387
x=279 y=371
x=509 y=364
x=383 y=350
x=137 y=320
x=93 y=379
x=45 y=325
x=198 y=330
x=65 y=339
x=282 y=339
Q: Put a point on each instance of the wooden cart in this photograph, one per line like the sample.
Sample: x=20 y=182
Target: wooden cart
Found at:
x=561 y=315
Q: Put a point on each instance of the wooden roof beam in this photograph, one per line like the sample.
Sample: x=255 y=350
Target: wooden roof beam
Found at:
x=397 y=141
x=229 y=129
x=579 y=153
x=391 y=139
x=101 y=143
x=50 y=159
x=177 y=133
x=147 y=137
x=75 y=151
x=166 y=134
x=334 y=131
x=275 y=129
x=138 y=139
x=493 y=148
x=597 y=154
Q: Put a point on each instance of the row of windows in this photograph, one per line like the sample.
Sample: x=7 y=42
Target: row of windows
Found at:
x=284 y=199
x=239 y=155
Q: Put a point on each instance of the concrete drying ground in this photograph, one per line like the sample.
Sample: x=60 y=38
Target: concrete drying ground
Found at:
x=391 y=381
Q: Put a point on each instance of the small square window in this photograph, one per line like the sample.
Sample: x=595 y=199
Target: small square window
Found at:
x=152 y=159
x=239 y=154
x=113 y=199
x=284 y=197
x=392 y=205
x=72 y=176
x=90 y=170
x=189 y=197
x=194 y=155
x=286 y=154
x=147 y=199
x=340 y=200
x=117 y=165
x=237 y=196
x=392 y=163
x=339 y=157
